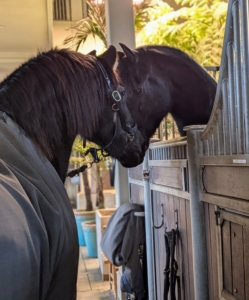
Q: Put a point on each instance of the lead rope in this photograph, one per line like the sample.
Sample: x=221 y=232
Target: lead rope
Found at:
x=95 y=159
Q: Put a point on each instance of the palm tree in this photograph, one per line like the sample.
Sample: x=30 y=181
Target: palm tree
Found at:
x=95 y=23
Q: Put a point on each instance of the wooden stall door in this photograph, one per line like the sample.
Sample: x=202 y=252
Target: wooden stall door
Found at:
x=176 y=209
x=233 y=250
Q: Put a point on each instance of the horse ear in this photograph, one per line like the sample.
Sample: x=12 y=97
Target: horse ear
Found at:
x=120 y=55
x=93 y=53
x=128 y=52
x=110 y=56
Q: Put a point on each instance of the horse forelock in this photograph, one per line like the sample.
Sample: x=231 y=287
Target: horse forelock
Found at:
x=55 y=96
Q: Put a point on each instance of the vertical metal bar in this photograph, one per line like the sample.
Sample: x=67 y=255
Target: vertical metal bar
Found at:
x=197 y=217
x=211 y=144
x=200 y=148
x=54 y=7
x=70 y=10
x=220 y=133
x=245 y=69
x=226 y=118
x=215 y=141
x=232 y=100
x=149 y=231
x=60 y=10
x=238 y=79
x=211 y=141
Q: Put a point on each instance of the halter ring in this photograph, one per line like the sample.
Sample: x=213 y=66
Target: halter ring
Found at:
x=114 y=107
x=116 y=96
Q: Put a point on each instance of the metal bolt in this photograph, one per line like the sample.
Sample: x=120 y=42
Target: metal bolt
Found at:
x=235 y=290
x=234 y=234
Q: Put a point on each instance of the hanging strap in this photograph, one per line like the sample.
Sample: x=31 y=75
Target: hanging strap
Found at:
x=171 y=267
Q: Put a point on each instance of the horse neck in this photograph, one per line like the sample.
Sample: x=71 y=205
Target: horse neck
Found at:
x=61 y=160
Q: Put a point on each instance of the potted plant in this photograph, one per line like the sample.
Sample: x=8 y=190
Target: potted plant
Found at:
x=82 y=156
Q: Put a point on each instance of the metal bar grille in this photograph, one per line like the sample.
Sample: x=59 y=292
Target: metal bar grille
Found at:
x=230 y=117
x=62 y=10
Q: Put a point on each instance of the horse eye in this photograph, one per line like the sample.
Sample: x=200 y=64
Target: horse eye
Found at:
x=137 y=91
x=122 y=93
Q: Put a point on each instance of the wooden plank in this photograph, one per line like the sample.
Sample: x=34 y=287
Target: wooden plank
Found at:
x=179 y=253
x=170 y=213
x=155 y=213
x=178 y=250
x=237 y=261
x=227 y=181
x=176 y=163
x=136 y=181
x=227 y=257
x=214 y=251
x=136 y=173
x=225 y=160
x=184 y=246
x=190 y=253
x=169 y=190
x=209 y=251
x=236 y=204
x=171 y=177
x=227 y=296
x=137 y=193
x=246 y=259
x=162 y=257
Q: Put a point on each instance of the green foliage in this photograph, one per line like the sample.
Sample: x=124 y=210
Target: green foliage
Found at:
x=94 y=24
x=196 y=28
x=141 y=14
x=79 y=156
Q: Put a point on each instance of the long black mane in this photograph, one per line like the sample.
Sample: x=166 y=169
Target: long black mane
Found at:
x=47 y=95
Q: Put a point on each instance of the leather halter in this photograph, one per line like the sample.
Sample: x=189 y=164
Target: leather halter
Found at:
x=127 y=122
x=119 y=105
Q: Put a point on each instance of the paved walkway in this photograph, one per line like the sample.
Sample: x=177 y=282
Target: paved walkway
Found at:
x=90 y=285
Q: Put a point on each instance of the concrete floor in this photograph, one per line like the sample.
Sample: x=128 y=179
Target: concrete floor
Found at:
x=90 y=285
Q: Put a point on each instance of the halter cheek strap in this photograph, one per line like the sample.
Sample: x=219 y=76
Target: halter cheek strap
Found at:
x=127 y=122
x=128 y=126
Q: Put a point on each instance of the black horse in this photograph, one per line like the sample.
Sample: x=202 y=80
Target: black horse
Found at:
x=159 y=80
x=44 y=104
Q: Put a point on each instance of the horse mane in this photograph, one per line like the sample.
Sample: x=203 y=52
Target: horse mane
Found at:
x=180 y=56
x=54 y=96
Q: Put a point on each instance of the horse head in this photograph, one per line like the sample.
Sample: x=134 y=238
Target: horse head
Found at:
x=60 y=94
x=117 y=132
x=159 y=80
x=136 y=75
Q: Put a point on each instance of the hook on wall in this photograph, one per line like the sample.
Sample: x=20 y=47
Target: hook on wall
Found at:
x=162 y=216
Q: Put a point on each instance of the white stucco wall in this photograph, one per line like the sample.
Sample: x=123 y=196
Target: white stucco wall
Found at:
x=25 y=28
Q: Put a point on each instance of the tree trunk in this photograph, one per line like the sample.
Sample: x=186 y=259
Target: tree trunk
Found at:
x=100 y=200
x=89 y=205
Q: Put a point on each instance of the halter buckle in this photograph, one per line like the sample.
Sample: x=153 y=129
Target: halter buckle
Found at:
x=116 y=96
